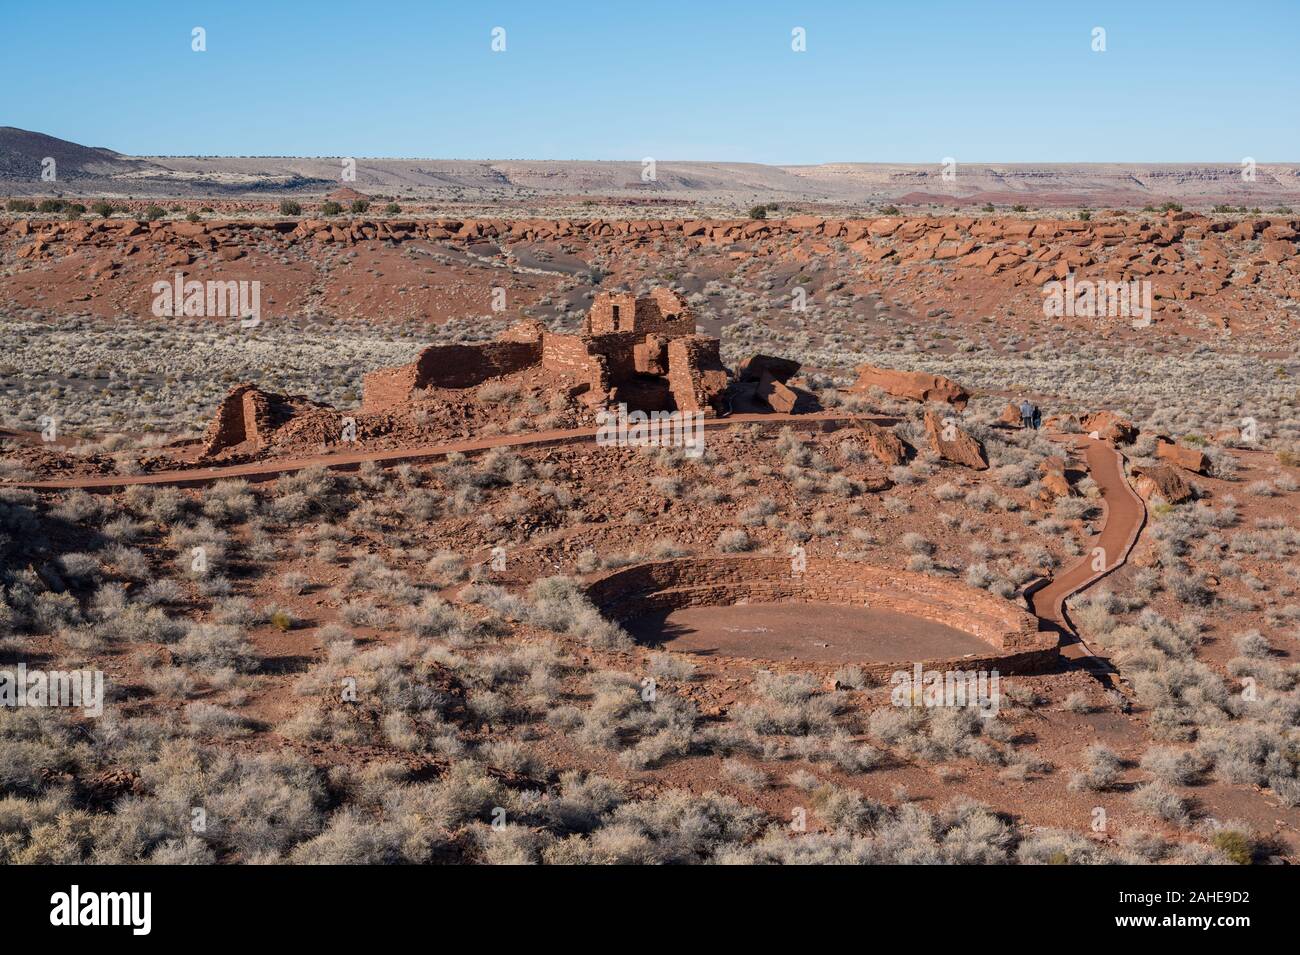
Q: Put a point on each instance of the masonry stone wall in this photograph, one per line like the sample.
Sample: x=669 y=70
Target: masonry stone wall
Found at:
x=230 y=425
x=662 y=312
x=447 y=366
x=1015 y=643
x=696 y=376
x=603 y=361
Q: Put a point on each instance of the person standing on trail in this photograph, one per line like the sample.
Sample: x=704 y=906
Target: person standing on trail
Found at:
x=1038 y=418
x=1027 y=410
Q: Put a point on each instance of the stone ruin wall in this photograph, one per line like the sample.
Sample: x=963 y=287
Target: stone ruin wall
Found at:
x=662 y=312
x=243 y=415
x=602 y=361
x=1016 y=645
x=696 y=375
x=600 y=317
x=447 y=366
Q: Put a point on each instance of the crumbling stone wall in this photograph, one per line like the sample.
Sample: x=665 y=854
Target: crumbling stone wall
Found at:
x=602 y=361
x=447 y=366
x=248 y=415
x=230 y=425
x=1015 y=643
x=387 y=387
x=696 y=376
x=662 y=312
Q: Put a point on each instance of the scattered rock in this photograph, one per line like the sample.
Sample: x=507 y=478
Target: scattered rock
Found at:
x=913 y=385
x=953 y=444
x=888 y=447
x=1163 y=480
x=1188 y=459
x=1109 y=426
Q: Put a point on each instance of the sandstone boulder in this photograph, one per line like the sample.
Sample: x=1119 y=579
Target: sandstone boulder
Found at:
x=1164 y=481
x=1187 y=458
x=755 y=366
x=777 y=394
x=1109 y=426
x=912 y=385
x=1010 y=415
x=887 y=446
x=1055 y=484
x=953 y=444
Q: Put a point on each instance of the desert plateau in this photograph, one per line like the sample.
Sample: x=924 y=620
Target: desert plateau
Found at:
x=840 y=509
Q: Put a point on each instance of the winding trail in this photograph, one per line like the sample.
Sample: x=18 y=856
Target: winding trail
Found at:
x=350 y=460
x=1124 y=517
x=1124 y=512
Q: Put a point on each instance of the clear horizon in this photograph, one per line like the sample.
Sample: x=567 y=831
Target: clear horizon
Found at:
x=1009 y=84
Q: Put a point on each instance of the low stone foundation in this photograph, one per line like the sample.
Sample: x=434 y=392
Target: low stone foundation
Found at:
x=1015 y=643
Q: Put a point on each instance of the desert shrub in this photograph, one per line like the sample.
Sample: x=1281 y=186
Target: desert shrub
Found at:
x=734 y=541
x=846 y=809
x=1101 y=770
x=978 y=575
x=669 y=666
x=211 y=720
x=1174 y=767
x=1059 y=847
x=1253 y=644
x=330 y=208
x=212 y=647
x=1077 y=702
x=559 y=604
x=647 y=731
x=289 y=207
x=745 y=774
x=434 y=617
x=1234 y=844
x=674 y=827
x=1158 y=800
x=851 y=677
x=294 y=582
x=363 y=613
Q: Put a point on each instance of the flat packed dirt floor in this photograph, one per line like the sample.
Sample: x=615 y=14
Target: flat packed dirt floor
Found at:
x=817 y=633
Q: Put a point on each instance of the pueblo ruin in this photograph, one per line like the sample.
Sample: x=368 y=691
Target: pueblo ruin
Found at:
x=638 y=351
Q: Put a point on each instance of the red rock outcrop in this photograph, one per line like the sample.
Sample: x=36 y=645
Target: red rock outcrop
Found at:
x=1188 y=459
x=888 y=447
x=912 y=385
x=1053 y=478
x=755 y=366
x=953 y=444
x=1109 y=427
x=1163 y=480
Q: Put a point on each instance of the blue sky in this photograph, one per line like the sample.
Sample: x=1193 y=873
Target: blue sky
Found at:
x=711 y=79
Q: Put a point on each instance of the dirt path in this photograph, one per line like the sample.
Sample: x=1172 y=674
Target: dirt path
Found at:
x=1125 y=514
x=1123 y=518
x=266 y=470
